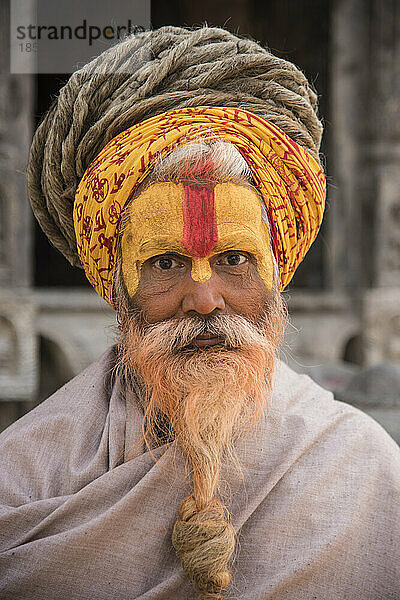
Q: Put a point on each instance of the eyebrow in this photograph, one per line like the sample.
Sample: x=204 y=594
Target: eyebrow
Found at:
x=233 y=243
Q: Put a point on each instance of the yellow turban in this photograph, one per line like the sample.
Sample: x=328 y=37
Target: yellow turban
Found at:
x=288 y=178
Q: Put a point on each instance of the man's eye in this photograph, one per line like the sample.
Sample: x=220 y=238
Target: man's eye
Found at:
x=233 y=260
x=165 y=263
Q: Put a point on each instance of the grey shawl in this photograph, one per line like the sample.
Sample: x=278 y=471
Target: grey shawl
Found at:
x=317 y=510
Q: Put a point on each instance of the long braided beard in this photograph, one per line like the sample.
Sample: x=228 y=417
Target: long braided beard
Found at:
x=205 y=398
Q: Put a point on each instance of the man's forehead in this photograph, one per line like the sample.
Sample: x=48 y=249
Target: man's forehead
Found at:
x=198 y=221
x=178 y=215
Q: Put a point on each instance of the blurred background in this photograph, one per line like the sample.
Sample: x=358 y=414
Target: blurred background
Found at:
x=344 y=300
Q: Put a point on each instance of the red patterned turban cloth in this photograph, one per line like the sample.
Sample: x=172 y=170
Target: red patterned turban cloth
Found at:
x=155 y=91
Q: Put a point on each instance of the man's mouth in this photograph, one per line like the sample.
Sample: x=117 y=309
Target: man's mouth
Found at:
x=207 y=339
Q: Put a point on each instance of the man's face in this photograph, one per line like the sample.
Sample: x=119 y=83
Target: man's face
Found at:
x=207 y=321
x=197 y=250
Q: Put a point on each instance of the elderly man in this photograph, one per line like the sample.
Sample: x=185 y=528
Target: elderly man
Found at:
x=189 y=461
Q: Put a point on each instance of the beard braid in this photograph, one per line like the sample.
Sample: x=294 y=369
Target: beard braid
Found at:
x=206 y=397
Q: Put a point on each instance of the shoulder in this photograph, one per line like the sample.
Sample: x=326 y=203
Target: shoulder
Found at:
x=322 y=427
x=51 y=437
x=324 y=488
x=85 y=393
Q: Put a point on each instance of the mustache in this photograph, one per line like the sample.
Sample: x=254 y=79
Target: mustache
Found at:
x=235 y=331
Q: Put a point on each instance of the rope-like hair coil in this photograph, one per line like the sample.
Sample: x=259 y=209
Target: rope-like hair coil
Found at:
x=145 y=75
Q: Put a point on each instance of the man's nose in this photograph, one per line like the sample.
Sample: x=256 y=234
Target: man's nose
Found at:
x=203 y=298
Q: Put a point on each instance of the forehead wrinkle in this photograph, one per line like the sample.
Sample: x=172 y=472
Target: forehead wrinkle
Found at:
x=239 y=228
x=228 y=242
x=160 y=245
x=245 y=234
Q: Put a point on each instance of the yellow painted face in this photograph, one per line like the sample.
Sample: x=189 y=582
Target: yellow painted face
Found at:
x=197 y=221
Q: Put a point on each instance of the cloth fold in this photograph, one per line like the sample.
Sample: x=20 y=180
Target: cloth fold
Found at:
x=316 y=511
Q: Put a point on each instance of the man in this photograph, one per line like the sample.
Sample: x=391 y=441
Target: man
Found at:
x=189 y=461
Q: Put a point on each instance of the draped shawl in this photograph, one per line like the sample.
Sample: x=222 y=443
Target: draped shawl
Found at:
x=317 y=511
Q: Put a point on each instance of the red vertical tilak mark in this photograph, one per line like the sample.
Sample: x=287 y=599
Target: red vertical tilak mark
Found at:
x=200 y=233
